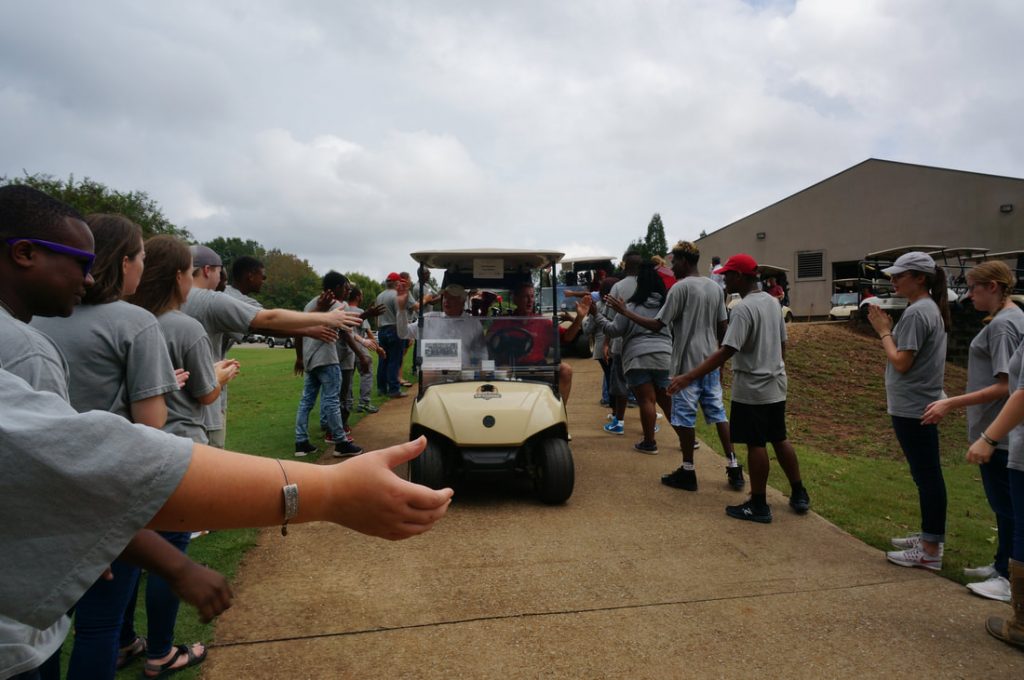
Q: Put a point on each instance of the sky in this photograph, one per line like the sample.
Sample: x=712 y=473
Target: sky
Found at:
x=354 y=133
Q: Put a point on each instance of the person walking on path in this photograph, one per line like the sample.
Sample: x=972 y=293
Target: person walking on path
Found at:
x=646 y=351
x=1010 y=421
x=989 y=285
x=695 y=311
x=389 y=364
x=618 y=389
x=915 y=352
x=756 y=342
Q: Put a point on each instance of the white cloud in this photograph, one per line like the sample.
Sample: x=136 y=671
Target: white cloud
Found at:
x=353 y=134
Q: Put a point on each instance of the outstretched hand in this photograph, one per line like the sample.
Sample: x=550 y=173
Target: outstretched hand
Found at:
x=372 y=312
x=371 y=499
x=584 y=306
x=325 y=301
x=226 y=370
x=935 y=412
x=340 y=317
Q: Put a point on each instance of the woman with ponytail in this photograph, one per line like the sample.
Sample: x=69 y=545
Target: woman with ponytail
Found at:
x=915 y=351
x=989 y=285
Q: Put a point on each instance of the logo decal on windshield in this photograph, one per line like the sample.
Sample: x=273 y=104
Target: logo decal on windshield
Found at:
x=487 y=391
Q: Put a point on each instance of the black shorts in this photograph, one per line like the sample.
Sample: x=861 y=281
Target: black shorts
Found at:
x=757 y=424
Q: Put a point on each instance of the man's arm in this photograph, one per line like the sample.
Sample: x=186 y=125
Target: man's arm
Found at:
x=288 y=320
x=619 y=306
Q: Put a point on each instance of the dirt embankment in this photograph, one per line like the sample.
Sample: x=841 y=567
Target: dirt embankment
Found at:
x=837 y=393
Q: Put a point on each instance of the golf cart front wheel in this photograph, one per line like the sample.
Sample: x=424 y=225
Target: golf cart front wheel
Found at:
x=555 y=472
x=428 y=468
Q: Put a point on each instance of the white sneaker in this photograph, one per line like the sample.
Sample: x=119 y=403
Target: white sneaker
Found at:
x=995 y=588
x=986 y=572
x=904 y=542
x=915 y=557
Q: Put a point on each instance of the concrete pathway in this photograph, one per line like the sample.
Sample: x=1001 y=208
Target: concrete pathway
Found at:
x=630 y=579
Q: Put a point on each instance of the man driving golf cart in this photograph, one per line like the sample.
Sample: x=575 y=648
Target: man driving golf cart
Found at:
x=451 y=323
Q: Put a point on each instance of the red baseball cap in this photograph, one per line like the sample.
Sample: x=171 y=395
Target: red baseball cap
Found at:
x=393 y=276
x=741 y=264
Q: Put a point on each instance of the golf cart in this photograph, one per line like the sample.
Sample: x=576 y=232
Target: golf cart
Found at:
x=488 y=399
x=955 y=262
x=881 y=288
x=846 y=297
x=579 y=276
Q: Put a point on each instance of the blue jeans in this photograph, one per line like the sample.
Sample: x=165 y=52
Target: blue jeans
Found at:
x=161 y=607
x=920 y=444
x=325 y=380
x=1016 y=478
x=996 y=480
x=98 y=617
x=388 y=368
x=605 y=368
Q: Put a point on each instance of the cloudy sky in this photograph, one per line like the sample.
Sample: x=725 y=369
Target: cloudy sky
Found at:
x=352 y=133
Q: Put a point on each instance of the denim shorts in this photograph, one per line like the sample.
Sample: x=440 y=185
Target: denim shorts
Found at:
x=705 y=392
x=643 y=376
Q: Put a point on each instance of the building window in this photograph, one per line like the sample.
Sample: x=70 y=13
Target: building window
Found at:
x=810 y=265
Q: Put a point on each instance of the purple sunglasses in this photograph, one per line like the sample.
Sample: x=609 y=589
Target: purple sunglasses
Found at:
x=84 y=258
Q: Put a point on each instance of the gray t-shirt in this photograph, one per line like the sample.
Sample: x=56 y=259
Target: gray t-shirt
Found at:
x=388 y=298
x=989 y=356
x=693 y=309
x=189 y=347
x=1016 y=438
x=757 y=332
x=921 y=331
x=220 y=314
x=623 y=290
x=231 y=339
x=116 y=353
x=32 y=356
x=314 y=352
x=69 y=511
x=641 y=348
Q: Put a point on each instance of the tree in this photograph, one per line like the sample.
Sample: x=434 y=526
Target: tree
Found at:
x=291 y=282
x=232 y=248
x=88 y=196
x=371 y=289
x=654 y=242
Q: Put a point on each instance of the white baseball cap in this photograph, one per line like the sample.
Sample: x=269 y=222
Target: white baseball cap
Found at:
x=913 y=261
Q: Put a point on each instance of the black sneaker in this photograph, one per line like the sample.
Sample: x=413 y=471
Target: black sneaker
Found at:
x=681 y=479
x=644 y=447
x=304 y=448
x=749 y=511
x=346 y=448
x=735 y=475
x=800 y=501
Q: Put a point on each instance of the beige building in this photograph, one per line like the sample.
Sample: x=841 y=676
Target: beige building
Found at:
x=821 y=233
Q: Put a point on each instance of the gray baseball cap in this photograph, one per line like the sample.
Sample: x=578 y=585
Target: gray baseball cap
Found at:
x=205 y=257
x=915 y=261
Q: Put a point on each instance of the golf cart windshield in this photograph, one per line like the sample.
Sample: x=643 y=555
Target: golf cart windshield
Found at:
x=844 y=299
x=465 y=348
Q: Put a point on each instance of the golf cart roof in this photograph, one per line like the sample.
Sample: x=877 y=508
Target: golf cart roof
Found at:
x=584 y=263
x=1005 y=255
x=962 y=252
x=511 y=260
x=491 y=268
x=893 y=253
x=770 y=270
x=852 y=282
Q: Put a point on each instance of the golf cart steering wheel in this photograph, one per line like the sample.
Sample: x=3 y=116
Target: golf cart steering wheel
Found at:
x=510 y=342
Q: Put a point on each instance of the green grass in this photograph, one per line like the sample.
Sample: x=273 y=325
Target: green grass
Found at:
x=261 y=421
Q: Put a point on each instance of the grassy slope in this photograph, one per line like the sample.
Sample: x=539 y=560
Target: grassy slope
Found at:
x=849 y=457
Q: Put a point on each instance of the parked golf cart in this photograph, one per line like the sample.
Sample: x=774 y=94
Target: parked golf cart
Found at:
x=955 y=262
x=488 y=400
x=846 y=297
x=881 y=288
x=578 y=276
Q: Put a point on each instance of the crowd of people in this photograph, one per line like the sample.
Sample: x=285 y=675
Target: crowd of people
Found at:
x=120 y=342
x=123 y=341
